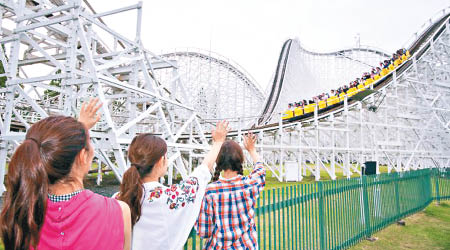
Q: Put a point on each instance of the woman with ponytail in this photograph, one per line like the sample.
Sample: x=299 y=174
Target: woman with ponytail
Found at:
x=163 y=216
x=226 y=217
x=46 y=205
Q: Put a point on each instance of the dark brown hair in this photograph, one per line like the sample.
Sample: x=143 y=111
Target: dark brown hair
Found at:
x=231 y=157
x=144 y=152
x=45 y=157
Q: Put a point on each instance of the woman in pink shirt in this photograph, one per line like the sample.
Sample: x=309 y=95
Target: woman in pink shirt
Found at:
x=46 y=206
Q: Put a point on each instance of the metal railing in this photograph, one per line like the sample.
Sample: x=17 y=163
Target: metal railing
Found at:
x=338 y=214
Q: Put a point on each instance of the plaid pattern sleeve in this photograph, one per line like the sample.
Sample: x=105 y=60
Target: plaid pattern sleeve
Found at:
x=257 y=178
x=205 y=221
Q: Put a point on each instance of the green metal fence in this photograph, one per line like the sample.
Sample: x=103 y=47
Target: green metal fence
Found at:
x=338 y=214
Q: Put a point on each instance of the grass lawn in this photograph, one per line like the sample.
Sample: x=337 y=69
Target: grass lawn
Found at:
x=428 y=229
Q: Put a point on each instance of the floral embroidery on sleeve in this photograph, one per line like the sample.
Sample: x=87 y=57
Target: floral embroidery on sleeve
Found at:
x=155 y=194
x=182 y=193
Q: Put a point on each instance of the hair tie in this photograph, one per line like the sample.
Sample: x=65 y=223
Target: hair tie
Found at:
x=36 y=141
x=135 y=165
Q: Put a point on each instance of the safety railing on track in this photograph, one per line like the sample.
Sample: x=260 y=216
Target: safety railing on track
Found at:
x=338 y=214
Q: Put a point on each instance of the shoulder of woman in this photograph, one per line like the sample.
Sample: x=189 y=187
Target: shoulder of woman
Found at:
x=213 y=188
x=124 y=206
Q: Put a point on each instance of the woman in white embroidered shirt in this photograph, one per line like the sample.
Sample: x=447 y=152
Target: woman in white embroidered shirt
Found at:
x=163 y=216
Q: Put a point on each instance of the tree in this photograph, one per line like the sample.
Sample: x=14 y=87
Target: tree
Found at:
x=2 y=71
x=3 y=78
x=54 y=82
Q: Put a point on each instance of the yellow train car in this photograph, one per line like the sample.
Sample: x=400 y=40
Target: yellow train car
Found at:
x=288 y=114
x=391 y=67
x=322 y=104
x=309 y=108
x=351 y=92
x=361 y=87
x=332 y=100
x=298 y=111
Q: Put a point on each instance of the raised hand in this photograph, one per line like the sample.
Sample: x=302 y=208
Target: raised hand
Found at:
x=219 y=135
x=249 y=142
x=220 y=132
x=88 y=113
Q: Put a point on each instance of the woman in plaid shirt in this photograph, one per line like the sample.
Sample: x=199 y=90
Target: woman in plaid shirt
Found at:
x=226 y=217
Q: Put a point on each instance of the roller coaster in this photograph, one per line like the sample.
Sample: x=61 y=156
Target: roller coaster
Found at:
x=213 y=82
x=385 y=125
x=321 y=69
x=55 y=54
x=336 y=100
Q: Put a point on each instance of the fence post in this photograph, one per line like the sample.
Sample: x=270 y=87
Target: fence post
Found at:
x=366 y=206
x=258 y=217
x=321 y=216
x=397 y=195
x=436 y=186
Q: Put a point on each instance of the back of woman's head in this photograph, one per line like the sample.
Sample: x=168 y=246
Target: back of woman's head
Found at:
x=45 y=157
x=144 y=152
x=231 y=157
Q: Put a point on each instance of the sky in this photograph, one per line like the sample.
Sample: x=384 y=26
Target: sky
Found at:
x=251 y=32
